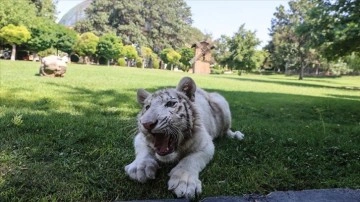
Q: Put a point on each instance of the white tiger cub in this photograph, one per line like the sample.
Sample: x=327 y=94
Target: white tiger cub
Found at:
x=179 y=125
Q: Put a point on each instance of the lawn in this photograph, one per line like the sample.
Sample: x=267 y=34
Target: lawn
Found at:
x=68 y=139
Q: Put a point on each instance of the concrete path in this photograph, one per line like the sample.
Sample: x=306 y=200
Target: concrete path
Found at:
x=316 y=195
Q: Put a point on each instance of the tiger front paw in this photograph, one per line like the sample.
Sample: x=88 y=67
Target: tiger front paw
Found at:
x=184 y=183
x=142 y=170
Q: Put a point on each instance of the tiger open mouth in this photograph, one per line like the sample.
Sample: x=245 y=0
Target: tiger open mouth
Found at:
x=164 y=144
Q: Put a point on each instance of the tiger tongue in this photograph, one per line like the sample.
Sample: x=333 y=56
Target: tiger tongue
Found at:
x=162 y=144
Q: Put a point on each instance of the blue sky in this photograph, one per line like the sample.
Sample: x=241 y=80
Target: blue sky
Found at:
x=221 y=16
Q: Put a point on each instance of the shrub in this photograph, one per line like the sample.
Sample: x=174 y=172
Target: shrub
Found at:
x=155 y=63
x=122 y=62
x=139 y=62
x=216 y=71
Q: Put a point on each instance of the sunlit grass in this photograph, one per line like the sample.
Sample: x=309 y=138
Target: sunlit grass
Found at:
x=69 y=138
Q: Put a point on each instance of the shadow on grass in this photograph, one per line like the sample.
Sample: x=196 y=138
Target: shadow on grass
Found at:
x=78 y=153
x=298 y=83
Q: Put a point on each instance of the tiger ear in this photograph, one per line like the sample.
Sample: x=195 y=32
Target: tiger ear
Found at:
x=187 y=85
x=142 y=95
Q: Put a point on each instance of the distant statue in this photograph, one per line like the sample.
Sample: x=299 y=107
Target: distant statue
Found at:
x=53 y=66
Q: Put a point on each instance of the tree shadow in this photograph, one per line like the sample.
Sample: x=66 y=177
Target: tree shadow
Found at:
x=297 y=83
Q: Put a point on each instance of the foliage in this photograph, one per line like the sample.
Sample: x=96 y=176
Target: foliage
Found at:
x=259 y=58
x=334 y=27
x=46 y=9
x=186 y=55
x=130 y=52
x=15 y=34
x=109 y=47
x=155 y=63
x=170 y=56
x=43 y=36
x=314 y=33
x=139 y=62
x=121 y=62
x=353 y=61
x=150 y=58
x=217 y=71
x=155 y=24
x=163 y=55
x=17 y=12
x=222 y=52
x=173 y=57
x=290 y=45
x=193 y=35
x=65 y=39
x=242 y=49
x=86 y=44
x=69 y=139
x=46 y=52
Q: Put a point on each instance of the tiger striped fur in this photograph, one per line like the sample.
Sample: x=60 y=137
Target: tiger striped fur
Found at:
x=179 y=125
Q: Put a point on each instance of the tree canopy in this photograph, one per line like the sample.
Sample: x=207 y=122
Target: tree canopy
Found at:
x=313 y=34
x=156 y=24
x=17 y=12
x=109 y=47
x=14 y=35
x=86 y=44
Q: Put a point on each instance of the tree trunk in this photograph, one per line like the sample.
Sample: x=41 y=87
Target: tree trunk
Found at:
x=13 y=52
x=301 y=74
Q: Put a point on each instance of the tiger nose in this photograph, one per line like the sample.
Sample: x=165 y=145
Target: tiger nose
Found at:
x=150 y=125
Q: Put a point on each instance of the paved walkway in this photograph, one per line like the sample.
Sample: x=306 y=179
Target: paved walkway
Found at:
x=316 y=195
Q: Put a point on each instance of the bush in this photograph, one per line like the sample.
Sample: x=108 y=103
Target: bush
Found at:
x=216 y=71
x=155 y=63
x=122 y=62
x=139 y=62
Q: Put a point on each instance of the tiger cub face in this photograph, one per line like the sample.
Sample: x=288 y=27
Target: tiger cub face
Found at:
x=165 y=120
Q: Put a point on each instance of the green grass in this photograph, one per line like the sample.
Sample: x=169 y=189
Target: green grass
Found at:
x=68 y=139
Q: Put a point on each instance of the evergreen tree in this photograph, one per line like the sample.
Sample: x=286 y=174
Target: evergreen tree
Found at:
x=156 y=24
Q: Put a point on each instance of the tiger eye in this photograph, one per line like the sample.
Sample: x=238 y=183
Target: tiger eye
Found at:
x=170 y=103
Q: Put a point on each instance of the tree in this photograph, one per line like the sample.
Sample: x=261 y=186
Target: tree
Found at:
x=14 y=35
x=259 y=57
x=130 y=52
x=17 y=12
x=222 y=52
x=66 y=38
x=150 y=58
x=290 y=45
x=163 y=55
x=109 y=46
x=193 y=35
x=186 y=55
x=43 y=36
x=86 y=45
x=334 y=27
x=155 y=24
x=170 y=56
x=46 y=9
x=242 y=48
